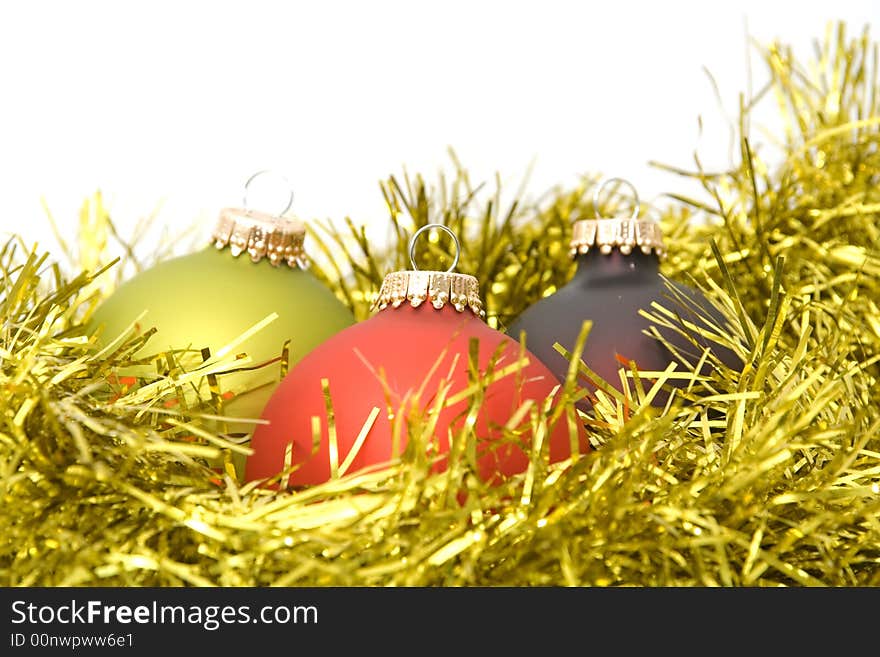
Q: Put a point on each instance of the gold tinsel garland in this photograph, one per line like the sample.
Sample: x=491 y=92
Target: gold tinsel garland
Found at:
x=768 y=476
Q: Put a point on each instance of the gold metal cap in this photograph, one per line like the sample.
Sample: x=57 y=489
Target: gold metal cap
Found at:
x=438 y=288
x=261 y=236
x=615 y=232
x=624 y=234
x=435 y=287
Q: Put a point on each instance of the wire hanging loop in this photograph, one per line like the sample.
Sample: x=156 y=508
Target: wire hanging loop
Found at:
x=425 y=228
x=264 y=172
x=604 y=183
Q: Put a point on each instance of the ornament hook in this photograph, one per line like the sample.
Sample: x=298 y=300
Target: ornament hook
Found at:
x=604 y=183
x=427 y=227
x=248 y=182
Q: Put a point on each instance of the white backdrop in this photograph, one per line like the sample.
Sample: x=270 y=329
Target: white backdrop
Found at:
x=172 y=105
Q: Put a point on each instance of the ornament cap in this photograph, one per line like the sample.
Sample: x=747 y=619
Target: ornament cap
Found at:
x=615 y=232
x=439 y=288
x=623 y=234
x=278 y=239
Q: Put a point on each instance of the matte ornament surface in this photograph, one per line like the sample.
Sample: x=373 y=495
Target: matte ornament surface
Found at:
x=209 y=298
x=609 y=290
x=403 y=343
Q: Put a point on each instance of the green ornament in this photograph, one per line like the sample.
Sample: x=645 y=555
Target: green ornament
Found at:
x=210 y=298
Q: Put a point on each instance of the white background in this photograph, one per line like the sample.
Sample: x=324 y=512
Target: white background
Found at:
x=170 y=106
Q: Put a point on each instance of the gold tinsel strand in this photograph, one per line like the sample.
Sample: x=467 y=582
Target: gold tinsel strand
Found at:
x=769 y=476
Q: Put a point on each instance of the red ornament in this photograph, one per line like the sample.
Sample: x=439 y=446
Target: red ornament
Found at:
x=415 y=345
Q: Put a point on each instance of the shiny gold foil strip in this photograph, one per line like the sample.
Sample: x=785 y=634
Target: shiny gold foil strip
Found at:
x=765 y=477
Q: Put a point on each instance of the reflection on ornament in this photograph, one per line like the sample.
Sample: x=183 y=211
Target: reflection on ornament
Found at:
x=256 y=267
x=618 y=274
x=418 y=337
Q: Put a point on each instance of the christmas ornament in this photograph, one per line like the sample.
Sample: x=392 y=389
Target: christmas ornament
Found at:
x=780 y=492
x=418 y=336
x=618 y=274
x=256 y=266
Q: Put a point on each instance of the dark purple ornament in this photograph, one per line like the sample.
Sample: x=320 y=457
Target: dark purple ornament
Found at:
x=618 y=274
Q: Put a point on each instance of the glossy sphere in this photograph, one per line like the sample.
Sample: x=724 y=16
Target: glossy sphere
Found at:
x=404 y=343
